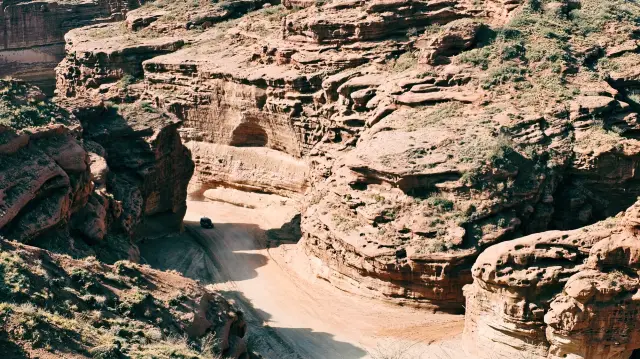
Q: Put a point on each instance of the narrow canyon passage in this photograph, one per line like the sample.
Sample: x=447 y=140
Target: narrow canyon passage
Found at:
x=293 y=316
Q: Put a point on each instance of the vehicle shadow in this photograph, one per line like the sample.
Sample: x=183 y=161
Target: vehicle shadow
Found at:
x=226 y=253
x=223 y=253
x=297 y=342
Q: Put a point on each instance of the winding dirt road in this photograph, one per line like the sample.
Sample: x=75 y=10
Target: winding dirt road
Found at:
x=293 y=317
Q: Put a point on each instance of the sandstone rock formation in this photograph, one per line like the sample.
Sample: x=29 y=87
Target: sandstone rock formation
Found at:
x=559 y=294
x=101 y=176
x=427 y=188
x=420 y=132
x=32 y=33
x=254 y=149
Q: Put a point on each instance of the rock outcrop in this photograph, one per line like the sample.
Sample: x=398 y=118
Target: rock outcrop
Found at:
x=219 y=100
x=100 y=177
x=559 y=294
x=417 y=133
x=427 y=188
x=32 y=33
x=55 y=307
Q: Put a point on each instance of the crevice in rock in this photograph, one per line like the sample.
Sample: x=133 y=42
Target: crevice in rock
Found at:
x=580 y=202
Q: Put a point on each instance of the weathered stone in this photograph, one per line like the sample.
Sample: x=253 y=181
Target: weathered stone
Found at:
x=455 y=37
x=137 y=169
x=407 y=169
x=32 y=36
x=558 y=294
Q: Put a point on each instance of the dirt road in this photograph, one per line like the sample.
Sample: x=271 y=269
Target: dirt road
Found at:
x=294 y=317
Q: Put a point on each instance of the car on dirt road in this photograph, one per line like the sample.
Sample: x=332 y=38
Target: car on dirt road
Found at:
x=205 y=222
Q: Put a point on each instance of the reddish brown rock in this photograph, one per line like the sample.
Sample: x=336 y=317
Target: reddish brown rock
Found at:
x=51 y=184
x=408 y=169
x=559 y=294
x=454 y=38
x=32 y=33
x=347 y=22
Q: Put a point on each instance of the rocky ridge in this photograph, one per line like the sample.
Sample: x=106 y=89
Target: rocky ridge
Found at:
x=420 y=132
x=53 y=306
x=559 y=294
x=87 y=184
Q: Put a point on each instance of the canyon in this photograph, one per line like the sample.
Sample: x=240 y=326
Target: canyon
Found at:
x=32 y=34
x=466 y=157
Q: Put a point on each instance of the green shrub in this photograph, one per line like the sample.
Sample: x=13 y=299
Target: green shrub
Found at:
x=592 y=15
x=504 y=74
x=437 y=245
x=126 y=80
x=513 y=51
x=148 y=107
x=14 y=276
x=477 y=57
x=441 y=203
x=85 y=278
x=405 y=61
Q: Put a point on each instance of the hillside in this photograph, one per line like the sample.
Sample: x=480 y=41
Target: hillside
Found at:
x=432 y=145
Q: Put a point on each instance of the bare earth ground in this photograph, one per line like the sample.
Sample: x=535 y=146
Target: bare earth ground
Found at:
x=291 y=316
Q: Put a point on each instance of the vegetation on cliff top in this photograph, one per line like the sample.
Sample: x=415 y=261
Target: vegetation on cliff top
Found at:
x=23 y=106
x=53 y=306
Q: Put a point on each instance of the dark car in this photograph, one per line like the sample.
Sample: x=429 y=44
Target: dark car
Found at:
x=205 y=222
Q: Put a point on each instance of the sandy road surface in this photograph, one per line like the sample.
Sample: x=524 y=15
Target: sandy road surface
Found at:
x=293 y=317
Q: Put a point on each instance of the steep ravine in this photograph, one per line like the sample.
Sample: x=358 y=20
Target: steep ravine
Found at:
x=88 y=180
x=412 y=152
x=84 y=188
x=32 y=34
x=420 y=137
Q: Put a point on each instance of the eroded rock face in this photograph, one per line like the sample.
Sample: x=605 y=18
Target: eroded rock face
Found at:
x=32 y=33
x=96 y=176
x=427 y=188
x=345 y=22
x=418 y=134
x=221 y=101
x=559 y=294
x=44 y=168
x=148 y=165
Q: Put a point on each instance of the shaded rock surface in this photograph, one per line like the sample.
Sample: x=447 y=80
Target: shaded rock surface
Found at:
x=55 y=307
x=86 y=184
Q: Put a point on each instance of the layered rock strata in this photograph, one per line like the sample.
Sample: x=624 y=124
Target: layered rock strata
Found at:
x=32 y=33
x=421 y=133
x=256 y=131
x=100 y=177
x=427 y=188
x=559 y=294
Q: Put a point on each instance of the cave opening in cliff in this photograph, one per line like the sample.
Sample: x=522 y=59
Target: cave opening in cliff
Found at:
x=249 y=134
x=635 y=354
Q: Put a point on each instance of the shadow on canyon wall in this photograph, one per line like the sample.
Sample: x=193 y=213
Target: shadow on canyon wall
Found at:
x=194 y=252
